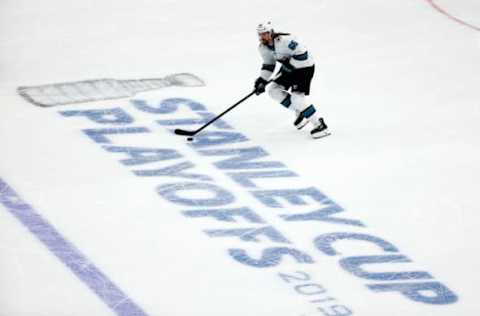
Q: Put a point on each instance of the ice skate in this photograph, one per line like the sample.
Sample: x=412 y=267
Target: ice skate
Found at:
x=321 y=130
x=300 y=121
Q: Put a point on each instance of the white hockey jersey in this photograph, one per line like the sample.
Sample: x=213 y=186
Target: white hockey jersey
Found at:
x=285 y=49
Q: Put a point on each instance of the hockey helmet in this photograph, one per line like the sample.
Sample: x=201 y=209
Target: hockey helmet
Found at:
x=265 y=27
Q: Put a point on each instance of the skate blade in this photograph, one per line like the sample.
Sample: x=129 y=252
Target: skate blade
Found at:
x=321 y=134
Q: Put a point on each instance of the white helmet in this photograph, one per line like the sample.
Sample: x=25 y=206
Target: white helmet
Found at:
x=265 y=27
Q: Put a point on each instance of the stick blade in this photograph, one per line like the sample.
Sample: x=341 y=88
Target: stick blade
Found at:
x=184 y=132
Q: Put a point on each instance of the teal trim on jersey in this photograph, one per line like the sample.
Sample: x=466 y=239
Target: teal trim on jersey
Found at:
x=308 y=112
x=286 y=102
x=303 y=56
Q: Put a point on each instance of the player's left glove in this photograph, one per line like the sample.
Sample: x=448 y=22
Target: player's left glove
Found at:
x=287 y=68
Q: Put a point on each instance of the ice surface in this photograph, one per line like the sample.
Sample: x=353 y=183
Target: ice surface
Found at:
x=104 y=211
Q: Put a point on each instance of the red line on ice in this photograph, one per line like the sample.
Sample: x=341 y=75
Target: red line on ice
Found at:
x=450 y=16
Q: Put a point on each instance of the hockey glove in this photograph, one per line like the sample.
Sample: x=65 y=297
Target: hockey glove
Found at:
x=287 y=68
x=260 y=84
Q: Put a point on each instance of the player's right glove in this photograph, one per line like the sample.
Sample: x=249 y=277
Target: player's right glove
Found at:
x=260 y=85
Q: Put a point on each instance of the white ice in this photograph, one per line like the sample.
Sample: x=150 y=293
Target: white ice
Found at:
x=396 y=81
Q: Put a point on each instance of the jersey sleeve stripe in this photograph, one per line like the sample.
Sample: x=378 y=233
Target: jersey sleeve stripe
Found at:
x=268 y=67
x=303 y=56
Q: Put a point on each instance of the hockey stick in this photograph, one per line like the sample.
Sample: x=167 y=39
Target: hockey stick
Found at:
x=183 y=132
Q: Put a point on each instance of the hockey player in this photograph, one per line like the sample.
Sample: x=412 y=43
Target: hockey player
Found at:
x=293 y=85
